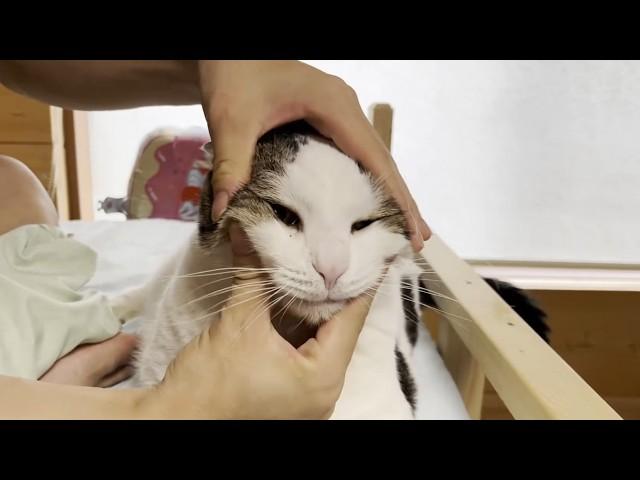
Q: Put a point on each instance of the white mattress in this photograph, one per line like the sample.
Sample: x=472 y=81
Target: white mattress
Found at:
x=128 y=252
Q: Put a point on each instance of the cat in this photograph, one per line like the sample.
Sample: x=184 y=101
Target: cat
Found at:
x=325 y=230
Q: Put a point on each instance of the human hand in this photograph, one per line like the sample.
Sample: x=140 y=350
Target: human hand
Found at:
x=243 y=100
x=242 y=368
x=95 y=365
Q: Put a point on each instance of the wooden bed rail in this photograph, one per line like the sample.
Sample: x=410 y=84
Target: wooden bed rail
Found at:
x=482 y=336
x=532 y=380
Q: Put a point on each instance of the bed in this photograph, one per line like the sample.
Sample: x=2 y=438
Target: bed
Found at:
x=129 y=252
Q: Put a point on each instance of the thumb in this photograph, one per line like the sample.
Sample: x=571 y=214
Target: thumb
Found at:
x=337 y=338
x=244 y=255
x=251 y=286
x=233 y=150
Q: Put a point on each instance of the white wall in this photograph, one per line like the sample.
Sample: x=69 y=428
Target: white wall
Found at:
x=525 y=160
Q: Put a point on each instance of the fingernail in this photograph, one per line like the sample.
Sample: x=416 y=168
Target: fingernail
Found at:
x=220 y=203
x=417 y=241
x=425 y=230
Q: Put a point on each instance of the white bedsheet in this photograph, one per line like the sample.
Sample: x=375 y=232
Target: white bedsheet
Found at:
x=128 y=252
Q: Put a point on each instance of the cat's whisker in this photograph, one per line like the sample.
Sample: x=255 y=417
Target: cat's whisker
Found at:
x=430 y=292
x=219 y=292
x=207 y=313
x=232 y=305
x=285 y=312
x=227 y=273
x=226 y=289
x=274 y=315
x=254 y=317
x=226 y=269
x=221 y=271
x=267 y=300
x=255 y=290
x=281 y=317
x=299 y=303
x=231 y=287
x=442 y=312
x=302 y=320
x=282 y=297
x=285 y=307
x=227 y=278
x=227 y=305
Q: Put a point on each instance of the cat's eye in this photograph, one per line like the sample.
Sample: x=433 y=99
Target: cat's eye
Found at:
x=286 y=216
x=361 y=224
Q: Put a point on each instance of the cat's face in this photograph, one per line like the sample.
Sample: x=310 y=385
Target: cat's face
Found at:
x=319 y=222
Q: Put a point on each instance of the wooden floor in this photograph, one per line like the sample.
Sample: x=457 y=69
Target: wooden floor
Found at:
x=598 y=334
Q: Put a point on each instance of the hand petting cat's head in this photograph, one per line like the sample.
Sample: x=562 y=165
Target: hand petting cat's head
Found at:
x=322 y=224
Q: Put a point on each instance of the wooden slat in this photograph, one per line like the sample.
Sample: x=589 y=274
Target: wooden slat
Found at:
x=36 y=157
x=493 y=407
x=382 y=118
x=33 y=133
x=76 y=142
x=531 y=379
x=60 y=193
x=23 y=120
x=464 y=369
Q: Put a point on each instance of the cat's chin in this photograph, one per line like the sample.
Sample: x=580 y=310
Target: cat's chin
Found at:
x=315 y=313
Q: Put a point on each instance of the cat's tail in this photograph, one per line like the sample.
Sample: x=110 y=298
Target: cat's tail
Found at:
x=516 y=298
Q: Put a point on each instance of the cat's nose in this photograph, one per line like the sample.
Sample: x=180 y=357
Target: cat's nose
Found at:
x=330 y=273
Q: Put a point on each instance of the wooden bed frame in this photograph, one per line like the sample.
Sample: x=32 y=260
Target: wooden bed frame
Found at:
x=479 y=336
x=54 y=144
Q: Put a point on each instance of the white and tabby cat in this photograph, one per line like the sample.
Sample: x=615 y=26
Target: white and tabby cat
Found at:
x=325 y=231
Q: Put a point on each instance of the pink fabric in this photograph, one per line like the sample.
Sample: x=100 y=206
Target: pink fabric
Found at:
x=175 y=190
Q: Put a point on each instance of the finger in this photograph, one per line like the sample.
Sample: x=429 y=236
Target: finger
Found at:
x=245 y=258
x=415 y=236
x=247 y=311
x=247 y=304
x=336 y=339
x=120 y=375
x=233 y=150
x=425 y=230
x=243 y=252
x=114 y=353
x=422 y=231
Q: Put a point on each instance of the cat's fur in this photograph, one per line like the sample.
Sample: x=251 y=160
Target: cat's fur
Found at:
x=322 y=261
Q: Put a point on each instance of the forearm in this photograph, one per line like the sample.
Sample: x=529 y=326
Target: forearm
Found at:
x=104 y=85
x=26 y=399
